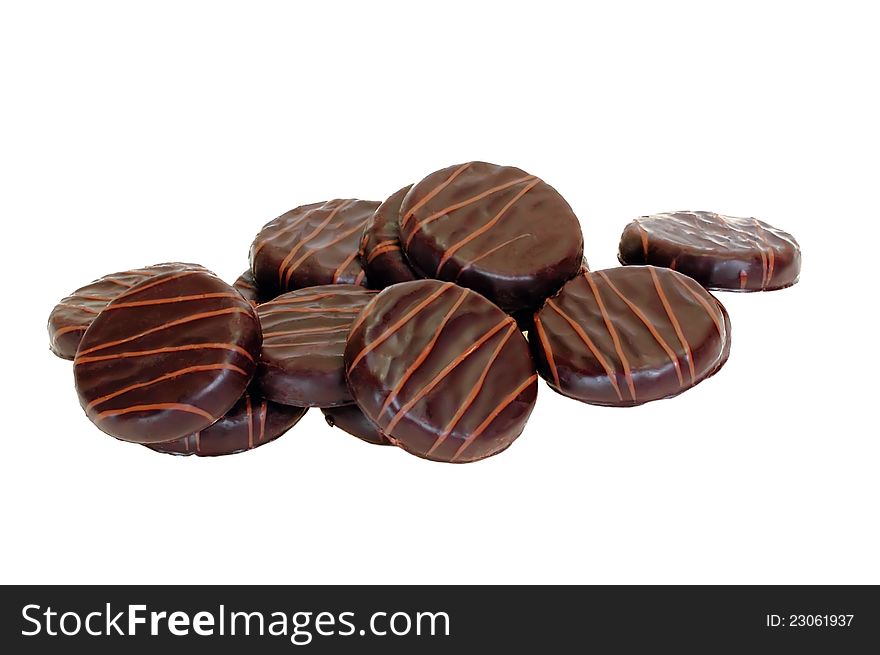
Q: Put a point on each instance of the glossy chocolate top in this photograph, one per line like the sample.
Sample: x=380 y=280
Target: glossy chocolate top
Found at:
x=252 y=422
x=351 y=419
x=625 y=336
x=167 y=357
x=494 y=229
x=442 y=371
x=311 y=245
x=72 y=316
x=719 y=252
x=303 y=340
x=380 y=251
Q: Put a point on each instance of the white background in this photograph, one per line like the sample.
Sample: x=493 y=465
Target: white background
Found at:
x=137 y=134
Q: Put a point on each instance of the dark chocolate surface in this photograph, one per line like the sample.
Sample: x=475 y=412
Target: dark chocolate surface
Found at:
x=441 y=370
x=351 y=419
x=380 y=251
x=626 y=336
x=252 y=422
x=303 y=341
x=72 y=316
x=168 y=357
x=494 y=229
x=310 y=246
x=247 y=287
x=719 y=252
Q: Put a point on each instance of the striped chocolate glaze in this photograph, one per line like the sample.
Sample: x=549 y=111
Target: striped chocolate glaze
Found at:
x=72 y=316
x=380 y=251
x=351 y=419
x=441 y=371
x=311 y=245
x=303 y=341
x=252 y=422
x=626 y=336
x=495 y=229
x=167 y=357
x=719 y=252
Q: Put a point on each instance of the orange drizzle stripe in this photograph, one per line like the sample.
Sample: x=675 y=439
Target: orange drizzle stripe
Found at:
x=292 y=301
x=495 y=412
x=167 y=376
x=317 y=330
x=624 y=362
x=181 y=407
x=464 y=203
x=303 y=343
x=168 y=349
x=71 y=328
x=674 y=321
x=168 y=301
x=651 y=328
x=473 y=393
x=548 y=352
x=423 y=355
x=485 y=227
x=394 y=328
x=165 y=326
x=424 y=391
x=458 y=171
x=143 y=286
x=589 y=344
x=311 y=310
x=381 y=250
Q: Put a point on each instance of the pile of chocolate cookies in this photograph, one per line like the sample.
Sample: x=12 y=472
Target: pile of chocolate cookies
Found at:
x=423 y=321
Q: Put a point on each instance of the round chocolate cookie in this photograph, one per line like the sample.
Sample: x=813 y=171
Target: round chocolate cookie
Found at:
x=252 y=422
x=311 y=245
x=626 y=336
x=719 y=252
x=303 y=340
x=443 y=372
x=167 y=358
x=381 y=255
x=72 y=316
x=351 y=419
x=494 y=229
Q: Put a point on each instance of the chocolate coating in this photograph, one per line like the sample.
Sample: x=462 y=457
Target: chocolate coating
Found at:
x=351 y=419
x=167 y=358
x=494 y=229
x=303 y=341
x=247 y=287
x=441 y=371
x=380 y=251
x=719 y=252
x=252 y=422
x=310 y=246
x=72 y=316
x=626 y=336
